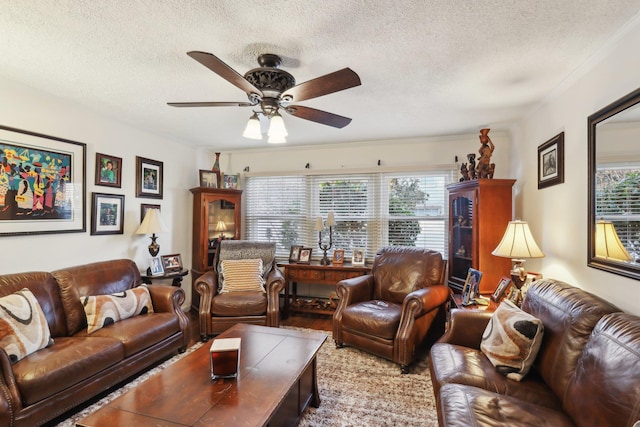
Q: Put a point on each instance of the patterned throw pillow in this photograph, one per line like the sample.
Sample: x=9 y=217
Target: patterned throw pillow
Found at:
x=103 y=310
x=512 y=340
x=23 y=327
x=241 y=275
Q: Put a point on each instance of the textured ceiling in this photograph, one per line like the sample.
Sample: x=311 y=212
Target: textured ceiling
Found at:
x=428 y=67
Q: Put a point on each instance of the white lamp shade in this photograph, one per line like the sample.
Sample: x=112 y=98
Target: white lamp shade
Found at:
x=152 y=223
x=608 y=244
x=276 y=140
x=276 y=127
x=319 y=226
x=253 y=131
x=518 y=242
x=331 y=219
x=221 y=226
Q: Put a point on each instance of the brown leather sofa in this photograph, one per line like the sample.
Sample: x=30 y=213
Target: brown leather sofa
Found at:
x=397 y=308
x=587 y=372
x=79 y=366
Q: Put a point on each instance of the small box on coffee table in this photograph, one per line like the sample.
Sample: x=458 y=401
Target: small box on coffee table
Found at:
x=225 y=358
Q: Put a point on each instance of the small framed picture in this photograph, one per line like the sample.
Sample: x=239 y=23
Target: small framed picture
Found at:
x=171 y=263
x=551 y=162
x=144 y=207
x=305 y=256
x=149 y=177
x=108 y=170
x=155 y=266
x=502 y=287
x=231 y=181
x=471 y=286
x=514 y=295
x=357 y=257
x=294 y=255
x=338 y=256
x=208 y=179
x=107 y=214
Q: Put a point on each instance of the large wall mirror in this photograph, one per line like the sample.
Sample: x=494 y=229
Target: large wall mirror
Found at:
x=614 y=187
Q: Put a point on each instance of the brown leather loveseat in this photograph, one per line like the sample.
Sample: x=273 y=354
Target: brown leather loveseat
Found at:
x=78 y=365
x=586 y=373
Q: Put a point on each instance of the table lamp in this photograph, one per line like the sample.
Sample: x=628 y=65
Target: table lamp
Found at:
x=608 y=244
x=221 y=226
x=152 y=224
x=331 y=222
x=518 y=243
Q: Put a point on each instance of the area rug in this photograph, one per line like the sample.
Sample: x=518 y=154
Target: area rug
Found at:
x=356 y=389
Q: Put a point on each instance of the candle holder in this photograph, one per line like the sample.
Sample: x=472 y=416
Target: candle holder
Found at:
x=322 y=245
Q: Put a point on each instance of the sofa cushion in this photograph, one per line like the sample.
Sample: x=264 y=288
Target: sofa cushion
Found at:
x=609 y=368
x=103 y=310
x=511 y=340
x=464 y=406
x=247 y=249
x=374 y=318
x=242 y=275
x=454 y=364
x=68 y=361
x=23 y=327
x=140 y=332
x=239 y=304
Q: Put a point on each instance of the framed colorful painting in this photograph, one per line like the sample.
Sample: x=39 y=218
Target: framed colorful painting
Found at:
x=149 y=177
x=42 y=183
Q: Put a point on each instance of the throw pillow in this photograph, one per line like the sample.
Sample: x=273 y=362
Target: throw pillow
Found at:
x=103 y=310
x=23 y=326
x=512 y=340
x=241 y=275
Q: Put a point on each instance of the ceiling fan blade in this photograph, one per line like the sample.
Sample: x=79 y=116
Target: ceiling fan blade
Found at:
x=210 y=104
x=213 y=63
x=318 y=116
x=324 y=85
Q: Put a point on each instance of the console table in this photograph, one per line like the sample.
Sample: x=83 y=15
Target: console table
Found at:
x=315 y=274
x=176 y=277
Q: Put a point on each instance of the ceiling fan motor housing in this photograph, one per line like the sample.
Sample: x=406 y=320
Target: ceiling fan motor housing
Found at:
x=271 y=80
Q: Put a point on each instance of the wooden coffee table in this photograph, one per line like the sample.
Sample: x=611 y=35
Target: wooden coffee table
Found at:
x=276 y=382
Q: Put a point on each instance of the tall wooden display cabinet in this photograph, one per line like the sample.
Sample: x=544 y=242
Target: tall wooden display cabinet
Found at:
x=216 y=215
x=479 y=211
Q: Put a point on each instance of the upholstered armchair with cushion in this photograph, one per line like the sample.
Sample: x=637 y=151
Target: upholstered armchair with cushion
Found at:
x=243 y=287
x=391 y=311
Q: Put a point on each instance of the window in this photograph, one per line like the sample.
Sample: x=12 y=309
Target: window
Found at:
x=371 y=210
x=618 y=201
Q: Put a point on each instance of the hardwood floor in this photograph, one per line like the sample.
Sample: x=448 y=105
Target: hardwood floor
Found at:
x=320 y=322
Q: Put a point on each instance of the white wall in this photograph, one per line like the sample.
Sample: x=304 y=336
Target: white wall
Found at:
x=558 y=214
x=24 y=108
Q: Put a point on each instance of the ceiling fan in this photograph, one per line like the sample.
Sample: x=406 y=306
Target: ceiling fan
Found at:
x=273 y=89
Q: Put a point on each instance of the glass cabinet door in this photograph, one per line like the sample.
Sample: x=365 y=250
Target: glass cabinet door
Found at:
x=220 y=224
x=462 y=244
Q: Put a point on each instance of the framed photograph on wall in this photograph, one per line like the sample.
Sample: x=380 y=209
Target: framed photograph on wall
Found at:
x=107 y=214
x=149 y=177
x=357 y=257
x=43 y=185
x=208 y=179
x=338 y=256
x=144 y=207
x=305 y=256
x=171 y=263
x=108 y=170
x=294 y=254
x=551 y=162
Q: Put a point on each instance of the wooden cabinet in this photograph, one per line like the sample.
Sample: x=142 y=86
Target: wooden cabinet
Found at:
x=216 y=213
x=479 y=212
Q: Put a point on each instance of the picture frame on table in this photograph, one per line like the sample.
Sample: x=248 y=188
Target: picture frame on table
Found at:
x=49 y=191
x=338 y=256
x=471 y=286
x=144 y=207
x=155 y=267
x=305 y=256
x=149 y=178
x=108 y=170
x=171 y=263
x=208 y=179
x=502 y=287
x=107 y=214
x=231 y=181
x=357 y=256
x=551 y=162
x=294 y=254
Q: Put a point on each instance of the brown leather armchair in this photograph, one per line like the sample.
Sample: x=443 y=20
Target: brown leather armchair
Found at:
x=396 y=308
x=219 y=311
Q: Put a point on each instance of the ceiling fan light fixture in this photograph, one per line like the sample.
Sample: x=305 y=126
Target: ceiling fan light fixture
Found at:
x=276 y=140
x=276 y=127
x=253 y=131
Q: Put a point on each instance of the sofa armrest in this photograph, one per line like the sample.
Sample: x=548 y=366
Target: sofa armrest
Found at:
x=169 y=299
x=466 y=328
x=350 y=291
x=207 y=286
x=10 y=400
x=422 y=301
x=274 y=285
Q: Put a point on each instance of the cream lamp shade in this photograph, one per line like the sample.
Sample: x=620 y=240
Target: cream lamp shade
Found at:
x=152 y=224
x=608 y=244
x=518 y=243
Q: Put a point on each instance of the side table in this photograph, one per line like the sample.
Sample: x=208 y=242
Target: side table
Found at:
x=176 y=277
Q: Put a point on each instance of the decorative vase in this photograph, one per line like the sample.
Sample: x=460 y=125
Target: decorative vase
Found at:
x=216 y=164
